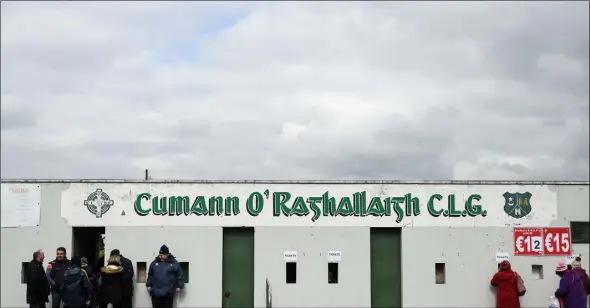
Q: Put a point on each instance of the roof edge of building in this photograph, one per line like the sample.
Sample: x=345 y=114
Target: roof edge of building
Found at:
x=390 y=182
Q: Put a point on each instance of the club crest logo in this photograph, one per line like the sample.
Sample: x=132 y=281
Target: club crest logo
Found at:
x=517 y=205
x=98 y=203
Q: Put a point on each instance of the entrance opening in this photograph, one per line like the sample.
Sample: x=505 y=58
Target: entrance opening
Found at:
x=87 y=242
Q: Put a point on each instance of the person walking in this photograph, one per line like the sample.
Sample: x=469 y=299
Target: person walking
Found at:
x=128 y=283
x=506 y=283
x=165 y=278
x=77 y=287
x=577 y=268
x=111 y=283
x=37 y=283
x=570 y=292
x=55 y=272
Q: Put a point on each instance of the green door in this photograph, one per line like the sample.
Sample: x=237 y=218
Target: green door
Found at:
x=386 y=270
x=238 y=267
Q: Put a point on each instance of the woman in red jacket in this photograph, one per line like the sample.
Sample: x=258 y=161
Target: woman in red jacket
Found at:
x=505 y=282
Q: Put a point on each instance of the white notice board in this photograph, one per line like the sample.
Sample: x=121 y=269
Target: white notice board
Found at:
x=501 y=256
x=21 y=205
x=334 y=256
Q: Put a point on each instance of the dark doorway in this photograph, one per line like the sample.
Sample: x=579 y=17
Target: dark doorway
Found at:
x=87 y=242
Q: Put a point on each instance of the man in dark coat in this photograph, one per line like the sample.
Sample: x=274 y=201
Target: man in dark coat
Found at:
x=37 y=283
x=164 y=279
x=56 y=270
x=128 y=283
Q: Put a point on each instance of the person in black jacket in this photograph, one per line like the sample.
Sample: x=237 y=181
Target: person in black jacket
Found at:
x=77 y=288
x=37 y=283
x=128 y=283
x=56 y=271
x=111 y=283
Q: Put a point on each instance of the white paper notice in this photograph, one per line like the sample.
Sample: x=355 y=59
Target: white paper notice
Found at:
x=21 y=205
x=501 y=256
x=570 y=259
x=290 y=256
x=334 y=256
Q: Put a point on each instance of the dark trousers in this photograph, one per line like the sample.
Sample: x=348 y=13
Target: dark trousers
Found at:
x=55 y=299
x=105 y=305
x=162 y=302
x=37 y=305
x=127 y=302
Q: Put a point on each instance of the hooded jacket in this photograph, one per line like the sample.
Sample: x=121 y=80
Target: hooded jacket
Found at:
x=77 y=288
x=164 y=277
x=505 y=282
x=571 y=290
x=111 y=282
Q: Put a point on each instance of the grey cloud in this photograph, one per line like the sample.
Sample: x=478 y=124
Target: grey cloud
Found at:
x=17 y=119
x=474 y=90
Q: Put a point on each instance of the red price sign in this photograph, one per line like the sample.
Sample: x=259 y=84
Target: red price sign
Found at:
x=557 y=242
x=528 y=241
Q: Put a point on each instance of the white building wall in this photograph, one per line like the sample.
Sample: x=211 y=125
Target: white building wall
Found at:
x=312 y=288
x=468 y=255
x=18 y=245
x=467 y=251
x=201 y=247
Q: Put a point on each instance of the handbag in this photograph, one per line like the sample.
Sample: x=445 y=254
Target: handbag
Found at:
x=553 y=302
x=520 y=285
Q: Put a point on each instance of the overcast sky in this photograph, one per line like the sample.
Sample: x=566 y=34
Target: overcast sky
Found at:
x=236 y=90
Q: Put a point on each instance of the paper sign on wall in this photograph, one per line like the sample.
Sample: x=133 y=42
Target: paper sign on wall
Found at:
x=334 y=256
x=570 y=259
x=290 y=256
x=21 y=205
x=501 y=256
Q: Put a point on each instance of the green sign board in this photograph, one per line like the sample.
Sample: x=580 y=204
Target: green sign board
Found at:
x=285 y=204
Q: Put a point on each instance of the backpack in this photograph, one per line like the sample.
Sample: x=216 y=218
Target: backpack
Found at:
x=520 y=285
x=74 y=289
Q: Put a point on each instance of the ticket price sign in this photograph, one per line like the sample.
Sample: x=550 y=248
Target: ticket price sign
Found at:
x=557 y=242
x=528 y=241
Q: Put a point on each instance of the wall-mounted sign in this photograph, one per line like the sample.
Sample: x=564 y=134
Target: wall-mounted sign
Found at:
x=557 y=242
x=334 y=256
x=290 y=256
x=308 y=204
x=501 y=256
x=554 y=241
x=528 y=241
x=21 y=205
x=570 y=259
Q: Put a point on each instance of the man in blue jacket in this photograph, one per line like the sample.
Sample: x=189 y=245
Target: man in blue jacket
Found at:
x=164 y=279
